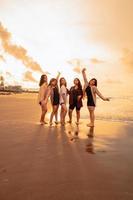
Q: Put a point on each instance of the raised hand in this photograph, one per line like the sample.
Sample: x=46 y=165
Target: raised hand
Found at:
x=59 y=73
x=107 y=99
x=84 y=77
x=83 y=70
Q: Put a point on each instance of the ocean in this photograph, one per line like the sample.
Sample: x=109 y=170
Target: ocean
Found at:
x=119 y=108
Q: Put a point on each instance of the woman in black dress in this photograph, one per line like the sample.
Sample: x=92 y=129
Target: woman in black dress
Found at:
x=91 y=92
x=55 y=98
x=75 y=99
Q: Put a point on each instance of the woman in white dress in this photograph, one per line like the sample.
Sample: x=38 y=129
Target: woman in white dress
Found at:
x=63 y=100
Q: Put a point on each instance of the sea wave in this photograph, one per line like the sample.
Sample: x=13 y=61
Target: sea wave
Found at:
x=111 y=118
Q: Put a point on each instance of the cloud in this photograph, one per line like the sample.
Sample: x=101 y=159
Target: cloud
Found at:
x=77 y=69
x=96 y=61
x=4 y=34
x=111 y=81
x=16 y=51
x=2 y=58
x=8 y=74
x=29 y=77
x=48 y=73
x=127 y=59
x=77 y=64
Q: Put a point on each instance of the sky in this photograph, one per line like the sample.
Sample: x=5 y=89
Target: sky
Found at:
x=47 y=36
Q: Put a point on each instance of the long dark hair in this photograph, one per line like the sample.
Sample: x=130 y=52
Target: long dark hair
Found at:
x=61 y=83
x=42 y=80
x=52 y=79
x=93 y=79
x=79 y=83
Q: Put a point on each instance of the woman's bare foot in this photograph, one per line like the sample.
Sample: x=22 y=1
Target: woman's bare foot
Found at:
x=69 y=121
x=50 y=123
x=56 y=122
x=77 y=123
x=42 y=122
x=63 y=123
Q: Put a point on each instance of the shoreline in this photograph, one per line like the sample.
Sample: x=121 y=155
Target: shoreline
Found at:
x=34 y=102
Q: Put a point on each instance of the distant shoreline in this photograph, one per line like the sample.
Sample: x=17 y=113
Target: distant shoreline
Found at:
x=9 y=92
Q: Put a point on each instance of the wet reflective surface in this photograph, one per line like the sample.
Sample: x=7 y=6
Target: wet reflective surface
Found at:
x=54 y=163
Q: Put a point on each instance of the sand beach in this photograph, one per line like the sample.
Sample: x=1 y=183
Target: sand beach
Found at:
x=62 y=163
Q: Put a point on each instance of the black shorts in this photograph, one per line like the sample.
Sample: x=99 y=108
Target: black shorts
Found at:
x=90 y=103
x=72 y=106
x=55 y=102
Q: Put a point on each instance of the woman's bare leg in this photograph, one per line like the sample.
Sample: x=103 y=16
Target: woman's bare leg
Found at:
x=44 y=111
x=64 y=112
x=56 y=114
x=78 y=116
x=54 y=111
x=70 y=115
x=92 y=115
x=61 y=114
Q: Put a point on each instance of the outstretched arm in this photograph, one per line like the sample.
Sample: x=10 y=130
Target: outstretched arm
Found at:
x=84 y=93
x=101 y=96
x=84 y=76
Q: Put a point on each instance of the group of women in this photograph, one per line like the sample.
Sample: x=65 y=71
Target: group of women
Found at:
x=58 y=92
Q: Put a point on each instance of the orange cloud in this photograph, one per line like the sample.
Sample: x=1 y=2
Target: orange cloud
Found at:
x=111 y=81
x=96 y=61
x=2 y=58
x=77 y=69
x=16 y=51
x=29 y=77
x=4 y=34
x=77 y=65
x=127 y=59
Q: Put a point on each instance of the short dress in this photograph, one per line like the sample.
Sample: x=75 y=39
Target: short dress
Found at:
x=90 y=100
x=56 y=96
x=73 y=98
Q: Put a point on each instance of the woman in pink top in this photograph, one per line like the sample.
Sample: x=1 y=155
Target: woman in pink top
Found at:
x=42 y=97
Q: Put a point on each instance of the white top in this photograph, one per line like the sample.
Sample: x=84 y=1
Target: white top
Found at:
x=63 y=94
x=42 y=92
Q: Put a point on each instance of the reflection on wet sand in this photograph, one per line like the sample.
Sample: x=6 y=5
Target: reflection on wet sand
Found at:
x=74 y=135
x=90 y=145
x=40 y=162
x=103 y=141
x=85 y=135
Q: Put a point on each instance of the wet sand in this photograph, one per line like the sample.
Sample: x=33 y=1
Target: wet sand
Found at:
x=62 y=163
